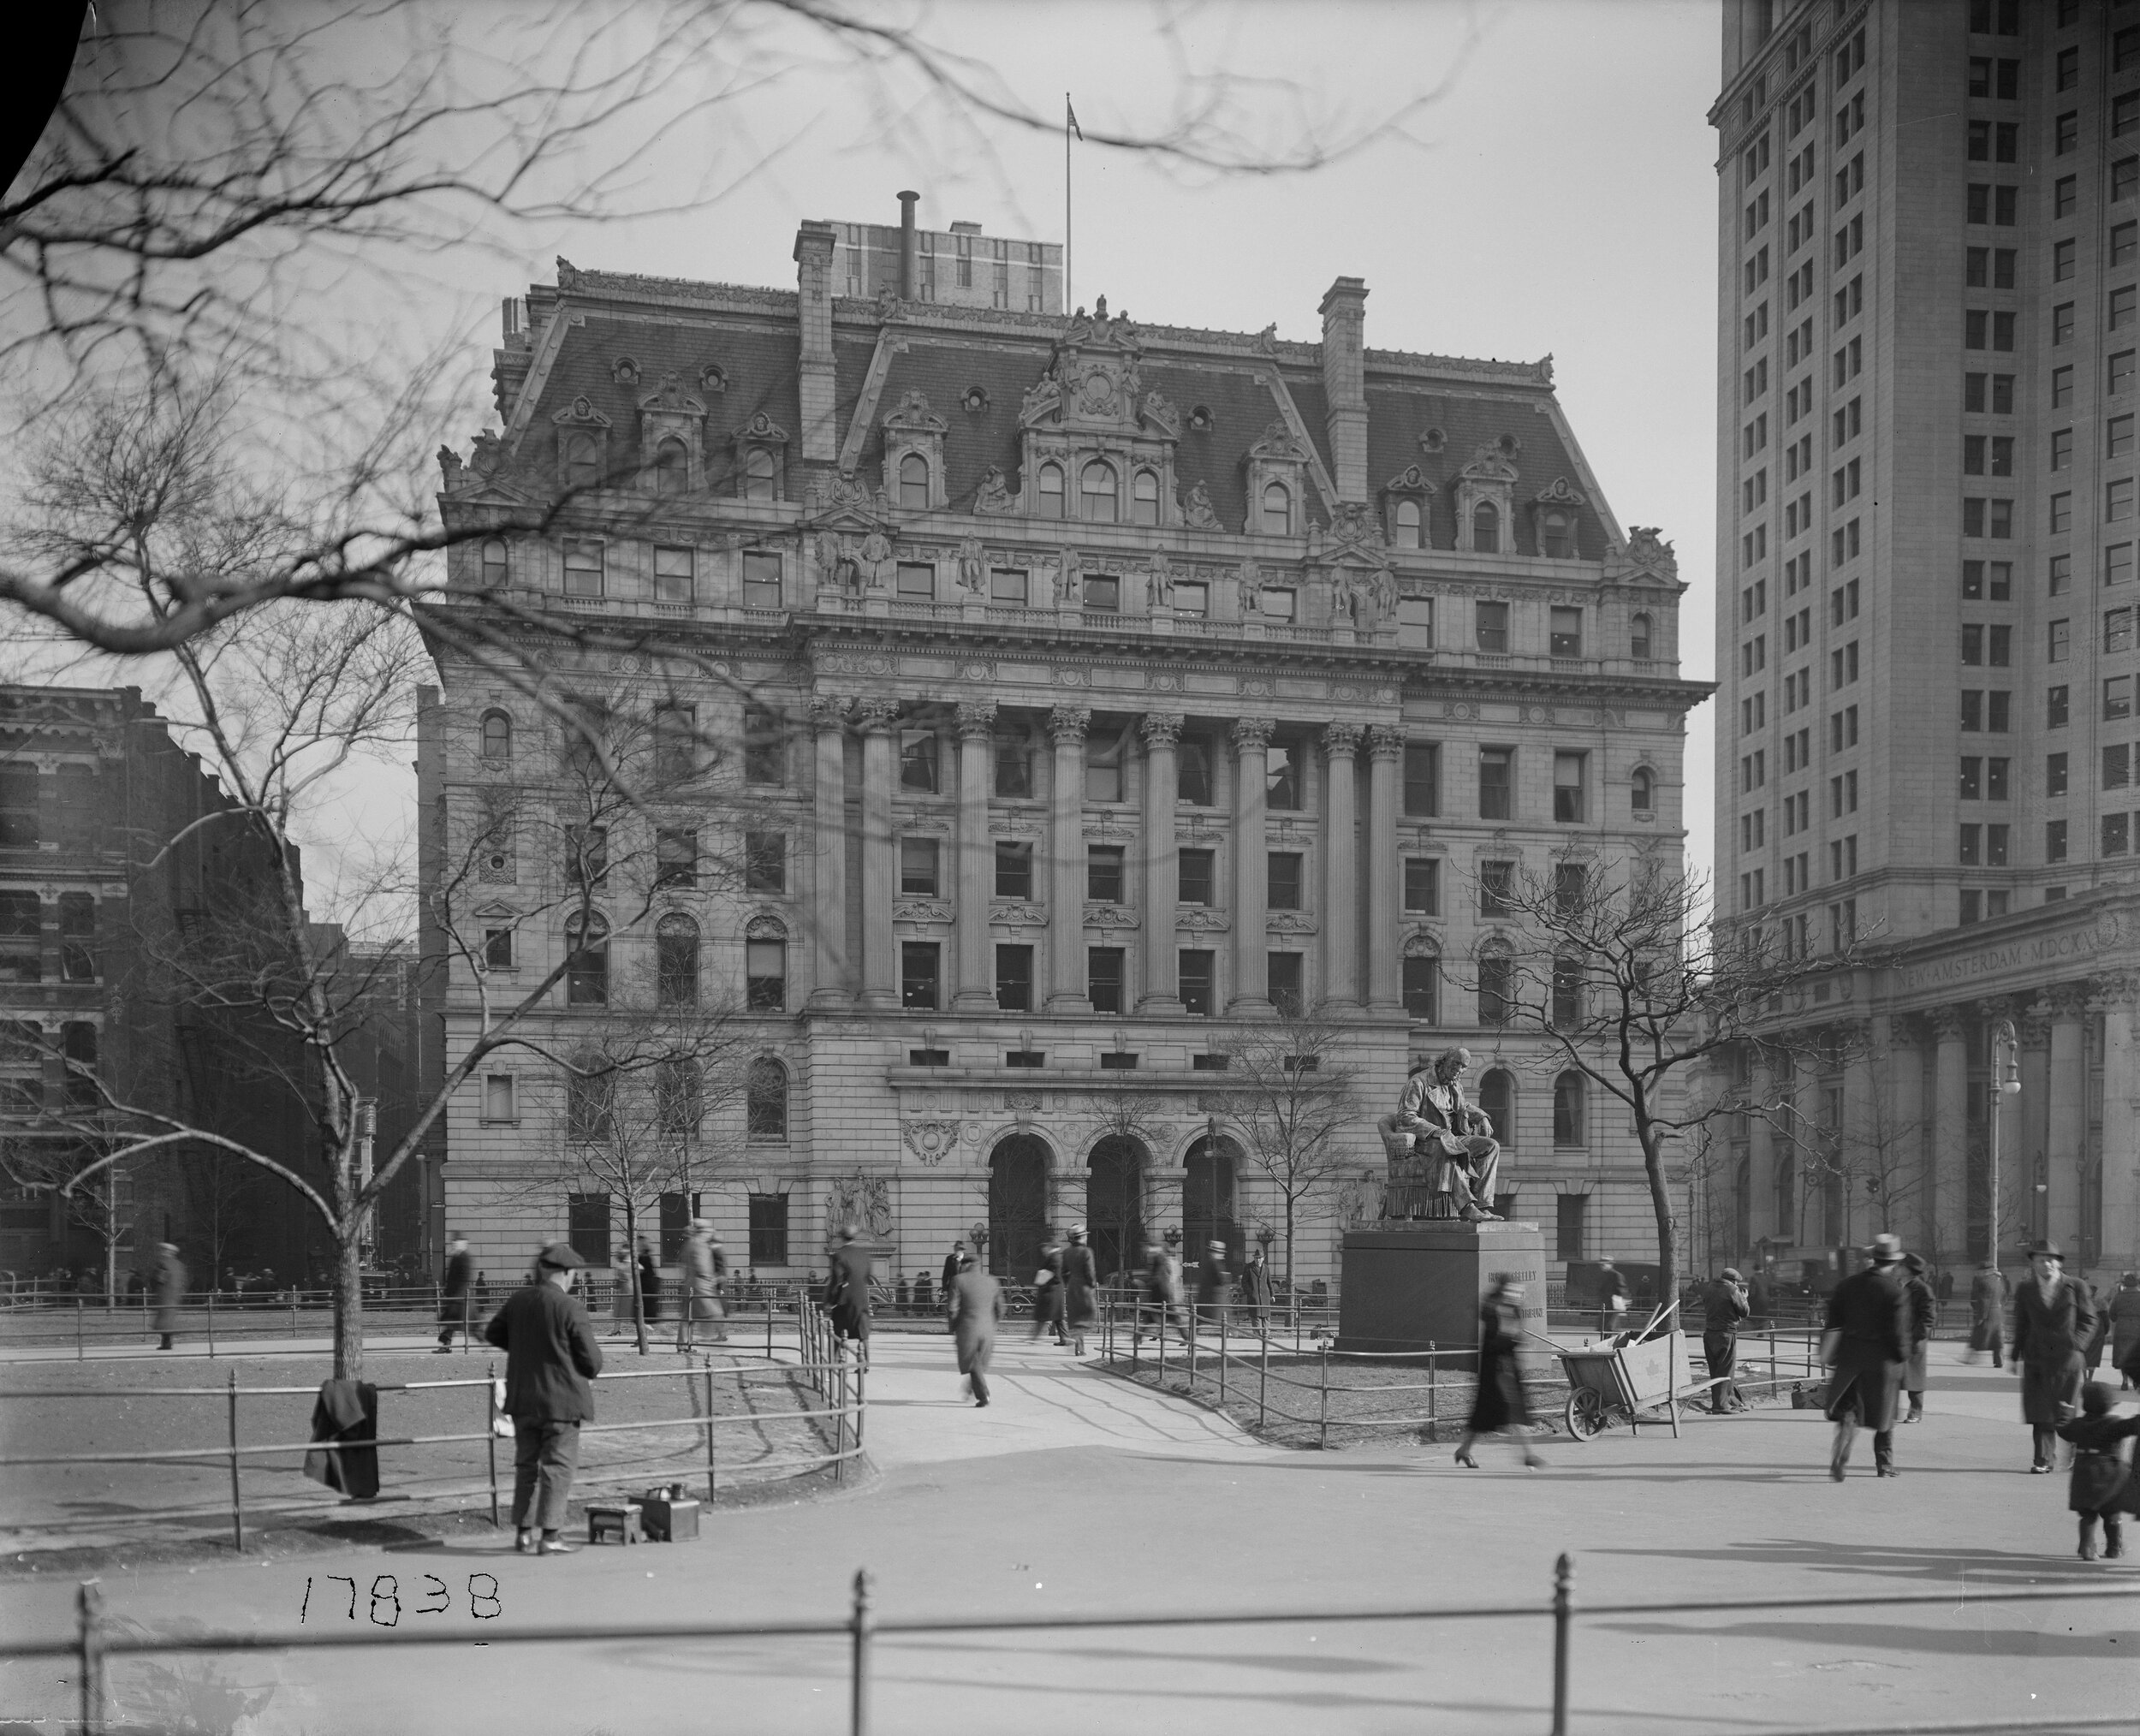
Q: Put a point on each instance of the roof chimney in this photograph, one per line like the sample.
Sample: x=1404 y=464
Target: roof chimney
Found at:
x=909 y=247
x=814 y=245
x=1345 y=384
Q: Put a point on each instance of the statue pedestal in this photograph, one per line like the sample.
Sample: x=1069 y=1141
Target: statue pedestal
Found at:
x=1406 y=1285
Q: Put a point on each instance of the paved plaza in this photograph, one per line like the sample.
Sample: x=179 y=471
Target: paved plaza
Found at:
x=1076 y=1493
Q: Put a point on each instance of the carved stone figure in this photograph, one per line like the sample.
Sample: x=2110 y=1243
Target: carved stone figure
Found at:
x=1647 y=549
x=973 y=567
x=489 y=456
x=449 y=468
x=1196 y=512
x=1438 y=1144
x=825 y=548
x=1159 y=584
x=1069 y=576
x=994 y=495
x=1045 y=394
x=875 y=557
x=864 y=1201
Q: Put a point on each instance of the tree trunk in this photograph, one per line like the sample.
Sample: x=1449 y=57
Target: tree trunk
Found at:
x=632 y=1262
x=348 y=1303
x=1289 y=1244
x=1660 y=1204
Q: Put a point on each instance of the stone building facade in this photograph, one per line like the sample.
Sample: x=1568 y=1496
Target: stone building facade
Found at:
x=1927 y=278
x=1103 y=692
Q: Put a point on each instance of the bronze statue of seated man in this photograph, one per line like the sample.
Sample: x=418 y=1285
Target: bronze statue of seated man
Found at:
x=1456 y=1138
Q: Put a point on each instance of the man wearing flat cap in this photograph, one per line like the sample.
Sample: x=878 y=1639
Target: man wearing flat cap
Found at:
x=1866 y=1347
x=550 y=1356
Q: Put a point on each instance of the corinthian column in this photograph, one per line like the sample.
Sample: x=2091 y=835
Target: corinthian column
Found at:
x=880 y=852
x=1067 y=726
x=1252 y=868
x=1385 y=754
x=833 y=988
x=1161 y=732
x=1340 y=867
x=976 y=737
x=1948 y=1212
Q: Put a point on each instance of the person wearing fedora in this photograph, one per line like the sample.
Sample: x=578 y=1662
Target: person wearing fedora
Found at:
x=1048 y=1309
x=550 y=1356
x=1215 y=1285
x=1924 y=1314
x=2054 y=1315
x=1080 y=1279
x=705 y=1266
x=1866 y=1347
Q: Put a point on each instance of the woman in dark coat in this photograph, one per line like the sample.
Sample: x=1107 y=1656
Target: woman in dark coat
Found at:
x=170 y=1291
x=2054 y=1315
x=1499 y=1402
x=1080 y=1278
x=1924 y=1310
x=649 y=1280
x=2124 y=1328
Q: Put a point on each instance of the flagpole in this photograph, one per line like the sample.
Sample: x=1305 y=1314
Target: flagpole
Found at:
x=1068 y=111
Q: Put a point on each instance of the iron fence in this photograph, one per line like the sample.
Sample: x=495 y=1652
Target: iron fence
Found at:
x=95 y=1641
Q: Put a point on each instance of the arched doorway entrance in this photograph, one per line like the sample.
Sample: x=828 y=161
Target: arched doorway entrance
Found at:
x=1210 y=1201
x=1018 y=1205
x=1115 y=1202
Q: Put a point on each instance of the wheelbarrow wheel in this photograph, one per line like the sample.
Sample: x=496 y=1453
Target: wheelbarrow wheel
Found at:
x=1584 y=1413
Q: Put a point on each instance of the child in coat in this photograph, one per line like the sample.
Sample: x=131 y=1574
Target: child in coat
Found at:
x=2103 y=1485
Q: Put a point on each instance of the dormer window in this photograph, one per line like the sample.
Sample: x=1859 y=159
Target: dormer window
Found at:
x=757 y=474
x=1556 y=536
x=1405 y=496
x=1096 y=492
x=1405 y=525
x=1050 y=491
x=1485 y=528
x=672 y=469
x=583 y=461
x=1145 y=498
x=496 y=569
x=1638 y=640
x=1277 y=510
x=913 y=482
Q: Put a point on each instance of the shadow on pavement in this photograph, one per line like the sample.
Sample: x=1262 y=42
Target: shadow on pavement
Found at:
x=2018 y=1642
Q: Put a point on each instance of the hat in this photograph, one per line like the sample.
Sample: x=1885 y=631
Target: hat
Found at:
x=560 y=1256
x=1076 y=1231
x=1885 y=1250
x=1914 y=1261
x=1733 y=1273
x=699 y=1223
x=2046 y=1250
x=1219 y=1247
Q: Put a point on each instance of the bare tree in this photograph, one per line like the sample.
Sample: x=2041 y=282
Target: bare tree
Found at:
x=1622 y=971
x=1292 y=1093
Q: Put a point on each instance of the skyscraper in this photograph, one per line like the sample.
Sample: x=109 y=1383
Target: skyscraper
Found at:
x=1928 y=320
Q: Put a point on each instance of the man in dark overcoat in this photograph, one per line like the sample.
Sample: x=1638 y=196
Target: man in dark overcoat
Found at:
x=1255 y=1289
x=1866 y=1347
x=1986 y=1312
x=977 y=1304
x=453 y=1293
x=2054 y=1315
x=171 y=1291
x=1080 y=1278
x=550 y=1356
x=1723 y=1307
x=848 y=1289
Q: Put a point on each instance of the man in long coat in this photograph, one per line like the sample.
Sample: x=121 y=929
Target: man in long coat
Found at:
x=170 y=1291
x=453 y=1293
x=1723 y=1307
x=1080 y=1278
x=1255 y=1289
x=1866 y=1347
x=703 y=1267
x=977 y=1304
x=2054 y=1315
x=848 y=1290
x=550 y=1356
x=1987 y=1310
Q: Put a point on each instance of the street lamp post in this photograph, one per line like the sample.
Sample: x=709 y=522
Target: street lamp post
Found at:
x=980 y=1234
x=2006 y=1082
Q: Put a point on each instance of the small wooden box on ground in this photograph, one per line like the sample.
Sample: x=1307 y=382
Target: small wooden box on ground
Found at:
x=612 y=1523
x=1407 y=1284
x=668 y=1519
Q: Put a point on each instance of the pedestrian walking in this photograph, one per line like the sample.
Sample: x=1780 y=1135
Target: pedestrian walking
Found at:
x=453 y=1294
x=171 y=1291
x=623 y=1294
x=2125 y=1330
x=1215 y=1285
x=2054 y=1315
x=650 y=1282
x=1162 y=1293
x=1499 y=1402
x=2102 y=1486
x=1048 y=1288
x=1080 y=1279
x=951 y=1268
x=2092 y=1352
x=1256 y=1289
x=848 y=1290
x=1986 y=1314
x=1944 y=1289
x=1612 y=1298
x=977 y=1304
x=1758 y=1297
x=550 y=1356
x=1925 y=1313
x=1724 y=1305
x=925 y=1293
x=1866 y=1347
x=703 y=1266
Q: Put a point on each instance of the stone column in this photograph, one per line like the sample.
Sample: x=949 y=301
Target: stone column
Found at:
x=1340 y=867
x=977 y=858
x=1386 y=753
x=1946 y=1180
x=1908 y=1122
x=1066 y=725
x=2119 y=1221
x=1859 y=1134
x=1159 y=993
x=834 y=987
x=880 y=854
x=1252 y=868
x=2066 y=1136
x=1761 y=1157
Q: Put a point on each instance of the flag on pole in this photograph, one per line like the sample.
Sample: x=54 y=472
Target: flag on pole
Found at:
x=1070 y=117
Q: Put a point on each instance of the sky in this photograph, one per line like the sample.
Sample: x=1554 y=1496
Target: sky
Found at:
x=1551 y=190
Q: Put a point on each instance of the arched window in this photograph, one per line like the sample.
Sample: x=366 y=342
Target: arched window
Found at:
x=767 y=1100
x=913 y=482
x=1405 y=529
x=1050 y=491
x=1643 y=793
x=672 y=468
x=587 y=961
x=1277 y=509
x=1145 y=498
x=498 y=737
x=1568 y=994
x=757 y=474
x=676 y=961
x=1018 y=1203
x=1638 y=639
x=583 y=461
x=1556 y=531
x=1497 y=1096
x=1486 y=528
x=1497 y=987
x=1569 y=1125
x=1097 y=487
x=1210 y=1194
x=495 y=569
